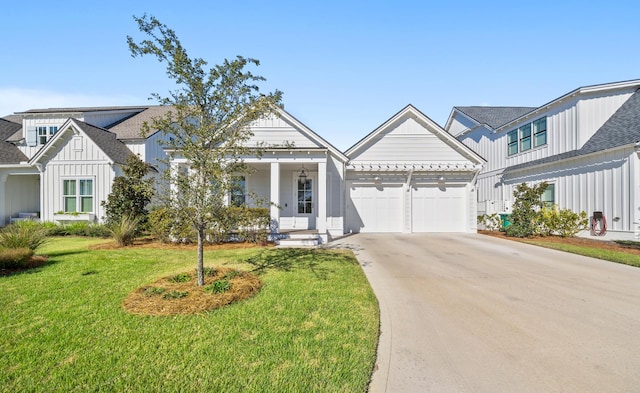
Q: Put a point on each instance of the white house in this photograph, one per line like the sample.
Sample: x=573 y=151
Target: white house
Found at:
x=584 y=144
x=408 y=175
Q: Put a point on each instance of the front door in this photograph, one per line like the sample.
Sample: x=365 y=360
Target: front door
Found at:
x=305 y=202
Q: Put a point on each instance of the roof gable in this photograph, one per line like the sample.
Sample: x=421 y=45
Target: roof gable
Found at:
x=283 y=129
x=411 y=137
x=104 y=140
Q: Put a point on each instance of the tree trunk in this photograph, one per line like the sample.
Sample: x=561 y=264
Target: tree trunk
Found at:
x=200 y=257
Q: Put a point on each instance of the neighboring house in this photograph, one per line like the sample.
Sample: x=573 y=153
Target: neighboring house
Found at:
x=584 y=144
x=60 y=162
x=408 y=175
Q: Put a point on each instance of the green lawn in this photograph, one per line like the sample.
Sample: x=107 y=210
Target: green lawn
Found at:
x=312 y=328
x=607 y=255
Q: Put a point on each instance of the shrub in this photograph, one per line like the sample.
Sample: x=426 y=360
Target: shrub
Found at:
x=175 y=295
x=491 y=222
x=562 y=222
x=167 y=227
x=23 y=234
x=182 y=277
x=152 y=291
x=526 y=209
x=124 y=232
x=11 y=258
x=219 y=286
x=80 y=228
x=130 y=194
x=570 y=223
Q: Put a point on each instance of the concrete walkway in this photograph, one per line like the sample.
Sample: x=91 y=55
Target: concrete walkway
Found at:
x=471 y=313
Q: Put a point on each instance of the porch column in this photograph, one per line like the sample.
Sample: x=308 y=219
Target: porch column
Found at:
x=275 y=192
x=321 y=224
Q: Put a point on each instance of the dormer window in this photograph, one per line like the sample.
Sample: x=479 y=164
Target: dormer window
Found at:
x=39 y=135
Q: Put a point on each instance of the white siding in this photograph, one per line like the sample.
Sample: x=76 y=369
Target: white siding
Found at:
x=460 y=123
x=408 y=142
x=599 y=182
x=276 y=131
x=594 y=111
x=54 y=174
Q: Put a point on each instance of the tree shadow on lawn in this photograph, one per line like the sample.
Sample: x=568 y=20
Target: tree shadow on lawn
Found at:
x=289 y=259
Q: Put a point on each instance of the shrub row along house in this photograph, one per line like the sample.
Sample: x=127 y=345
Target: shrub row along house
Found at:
x=408 y=175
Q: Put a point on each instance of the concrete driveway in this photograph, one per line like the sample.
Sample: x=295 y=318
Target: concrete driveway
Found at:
x=471 y=313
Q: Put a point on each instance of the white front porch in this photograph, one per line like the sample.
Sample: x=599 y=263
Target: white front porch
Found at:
x=299 y=202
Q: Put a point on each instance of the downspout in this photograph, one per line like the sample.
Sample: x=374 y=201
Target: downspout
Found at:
x=40 y=169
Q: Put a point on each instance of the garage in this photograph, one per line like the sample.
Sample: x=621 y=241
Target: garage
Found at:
x=408 y=176
x=438 y=209
x=374 y=208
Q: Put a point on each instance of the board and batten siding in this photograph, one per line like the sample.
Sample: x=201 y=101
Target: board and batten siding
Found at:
x=408 y=142
x=77 y=157
x=21 y=195
x=275 y=131
x=598 y=182
x=101 y=173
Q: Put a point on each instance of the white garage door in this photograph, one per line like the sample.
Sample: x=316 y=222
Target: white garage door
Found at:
x=436 y=209
x=374 y=208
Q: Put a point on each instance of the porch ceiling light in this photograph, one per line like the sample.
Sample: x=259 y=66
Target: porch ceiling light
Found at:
x=302 y=176
x=441 y=178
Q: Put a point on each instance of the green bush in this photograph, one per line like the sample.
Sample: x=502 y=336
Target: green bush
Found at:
x=526 y=210
x=124 y=232
x=11 y=258
x=23 y=234
x=167 y=227
x=561 y=222
x=219 y=286
x=80 y=228
x=182 y=277
x=491 y=222
x=175 y=295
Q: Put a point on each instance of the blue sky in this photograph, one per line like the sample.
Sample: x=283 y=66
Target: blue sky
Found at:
x=344 y=66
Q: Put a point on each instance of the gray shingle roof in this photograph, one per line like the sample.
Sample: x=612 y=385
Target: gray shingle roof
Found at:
x=107 y=141
x=130 y=127
x=85 y=109
x=494 y=116
x=9 y=153
x=622 y=128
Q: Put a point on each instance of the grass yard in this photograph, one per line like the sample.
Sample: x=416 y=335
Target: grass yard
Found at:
x=623 y=256
x=313 y=327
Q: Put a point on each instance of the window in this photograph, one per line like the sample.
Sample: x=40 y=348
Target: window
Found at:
x=549 y=195
x=238 y=191
x=42 y=135
x=77 y=195
x=525 y=137
x=305 y=196
x=512 y=141
x=520 y=139
x=540 y=132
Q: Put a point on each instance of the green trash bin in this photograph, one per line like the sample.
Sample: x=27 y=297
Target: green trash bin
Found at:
x=505 y=219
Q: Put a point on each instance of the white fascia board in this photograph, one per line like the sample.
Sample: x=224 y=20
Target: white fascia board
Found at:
x=572 y=94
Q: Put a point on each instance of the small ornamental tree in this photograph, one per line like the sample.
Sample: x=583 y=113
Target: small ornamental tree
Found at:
x=130 y=194
x=208 y=126
x=526 y=210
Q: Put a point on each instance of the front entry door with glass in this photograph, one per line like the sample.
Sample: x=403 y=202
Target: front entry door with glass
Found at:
x=305 y=210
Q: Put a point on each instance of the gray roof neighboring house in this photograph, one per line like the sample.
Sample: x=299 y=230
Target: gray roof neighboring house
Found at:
x=9 y=153
x=107 y=141
x=130 y=127
x=621 y=129
x=85 y=109
x=494 y=116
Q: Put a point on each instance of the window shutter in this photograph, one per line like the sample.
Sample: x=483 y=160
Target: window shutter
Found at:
x=32 y=136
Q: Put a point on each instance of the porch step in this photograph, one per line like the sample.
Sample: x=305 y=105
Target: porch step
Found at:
x=299 y=239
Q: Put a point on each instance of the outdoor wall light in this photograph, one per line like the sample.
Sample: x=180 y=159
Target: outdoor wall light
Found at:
x=302 y=176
